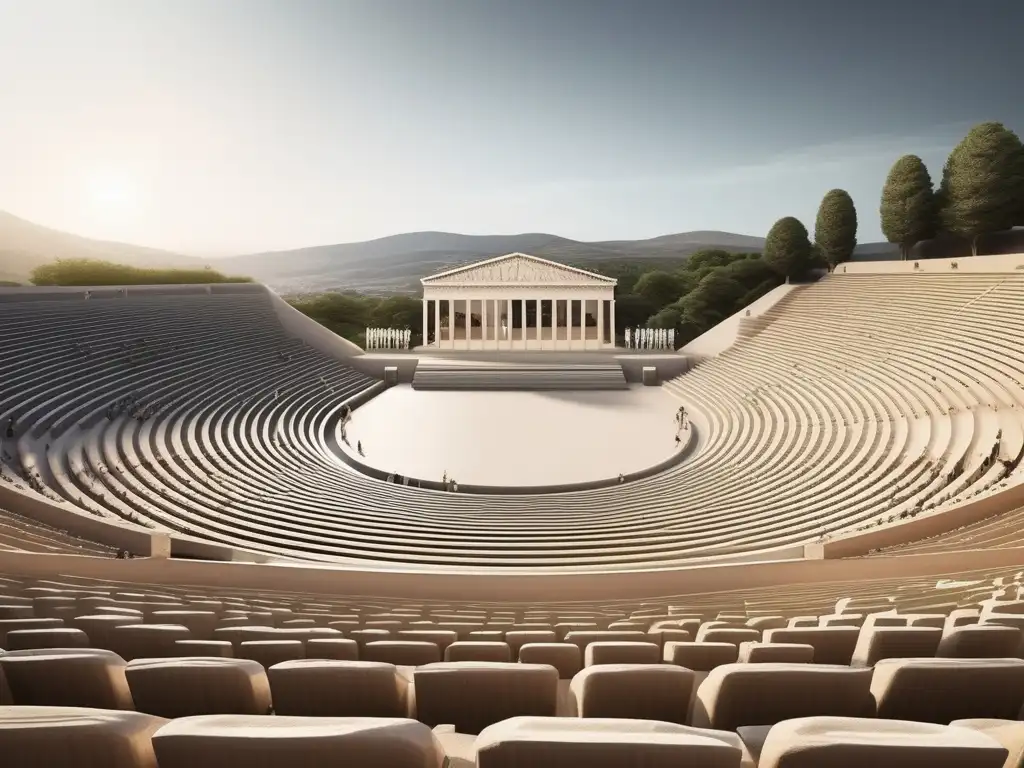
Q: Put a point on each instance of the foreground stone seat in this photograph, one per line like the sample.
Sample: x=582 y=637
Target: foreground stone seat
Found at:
x=516 y=639
x=239 y=634
x=942 y=690
x=32 y=737
x=473 y=695
x=586 y=637
x=200 y=623
x=146 y=641
x=406 y=653
x=326 y=688
x=1009 y=734
x=832 y=645
x=271 y=652
x=633 y=691
x=86 y=677
x=468 y=650
x=365 y=636
x=843 y=742
x=734 y=635
x=216 y=741
x=877 y=643
x=198 y=686
x=622 y=653
x=332 y=648
x=540 y=742
x=787 y=653
x=565 y=657
x=57 y=637
x=439 y=637
x=980 y=641
x=15 y=611
x=11 y=625
x=219 y=648
x=735 y=695
x=100 y=627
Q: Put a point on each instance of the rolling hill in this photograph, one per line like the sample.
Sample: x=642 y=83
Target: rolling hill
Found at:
x=396 y=263
x=385 y=265
x=25 y=245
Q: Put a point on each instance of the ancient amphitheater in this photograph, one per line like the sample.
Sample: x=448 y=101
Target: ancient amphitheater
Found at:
x=196 y=566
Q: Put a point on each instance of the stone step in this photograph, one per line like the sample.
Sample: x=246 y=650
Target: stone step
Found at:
x=538 y=376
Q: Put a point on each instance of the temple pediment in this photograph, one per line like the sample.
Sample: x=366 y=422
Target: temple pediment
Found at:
x=517 y=269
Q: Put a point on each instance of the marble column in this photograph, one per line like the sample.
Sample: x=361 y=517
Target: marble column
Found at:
x=426 y=335
x=539 y=323
x=600 y=323
x=437 y=323
x=612 y=336
x=583 y=323
x=483 y=321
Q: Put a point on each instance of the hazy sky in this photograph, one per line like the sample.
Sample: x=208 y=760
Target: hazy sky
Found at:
x=236 y=125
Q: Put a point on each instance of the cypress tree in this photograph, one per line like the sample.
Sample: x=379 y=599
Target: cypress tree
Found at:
x=787 y=248
x=982 y=182
x=908 y=209
x=835 y=228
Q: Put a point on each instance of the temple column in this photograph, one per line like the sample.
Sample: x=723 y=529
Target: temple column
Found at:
x=508 y=321
x=451 y=323
x=600 y=323
x=426 y=334
x=437 y=323
x=538 y=322
x=612 y=309
x=583 y=323
x=483 y=321
x=554 y=323
x=469 y=315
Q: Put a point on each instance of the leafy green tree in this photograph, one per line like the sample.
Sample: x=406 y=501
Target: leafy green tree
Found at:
x=712 y=300
x=712 y=257
x=909 y=206
x=787 y=248
x=661 y=287
x=669 y=317
x=835 y=228
x=632 y=310
x=982 y=183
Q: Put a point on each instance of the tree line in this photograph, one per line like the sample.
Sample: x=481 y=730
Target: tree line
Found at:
x=98 y=272
x=981 y=193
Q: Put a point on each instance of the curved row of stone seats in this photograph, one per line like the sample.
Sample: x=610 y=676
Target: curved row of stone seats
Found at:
x=744 y=706
x=22 y=534
x=1005 y=530
x=472 y=695
x=893 y=410
x=965 y=596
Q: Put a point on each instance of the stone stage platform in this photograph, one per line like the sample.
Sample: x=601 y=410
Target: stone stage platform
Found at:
x=516 y=438
x=632 y=361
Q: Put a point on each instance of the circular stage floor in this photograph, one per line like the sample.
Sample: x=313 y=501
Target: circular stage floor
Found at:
x=515 y=438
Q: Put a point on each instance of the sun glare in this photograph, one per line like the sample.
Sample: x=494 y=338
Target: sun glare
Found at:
x=111 y=192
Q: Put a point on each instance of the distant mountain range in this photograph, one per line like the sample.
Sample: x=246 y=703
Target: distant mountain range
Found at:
x=386 y=265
